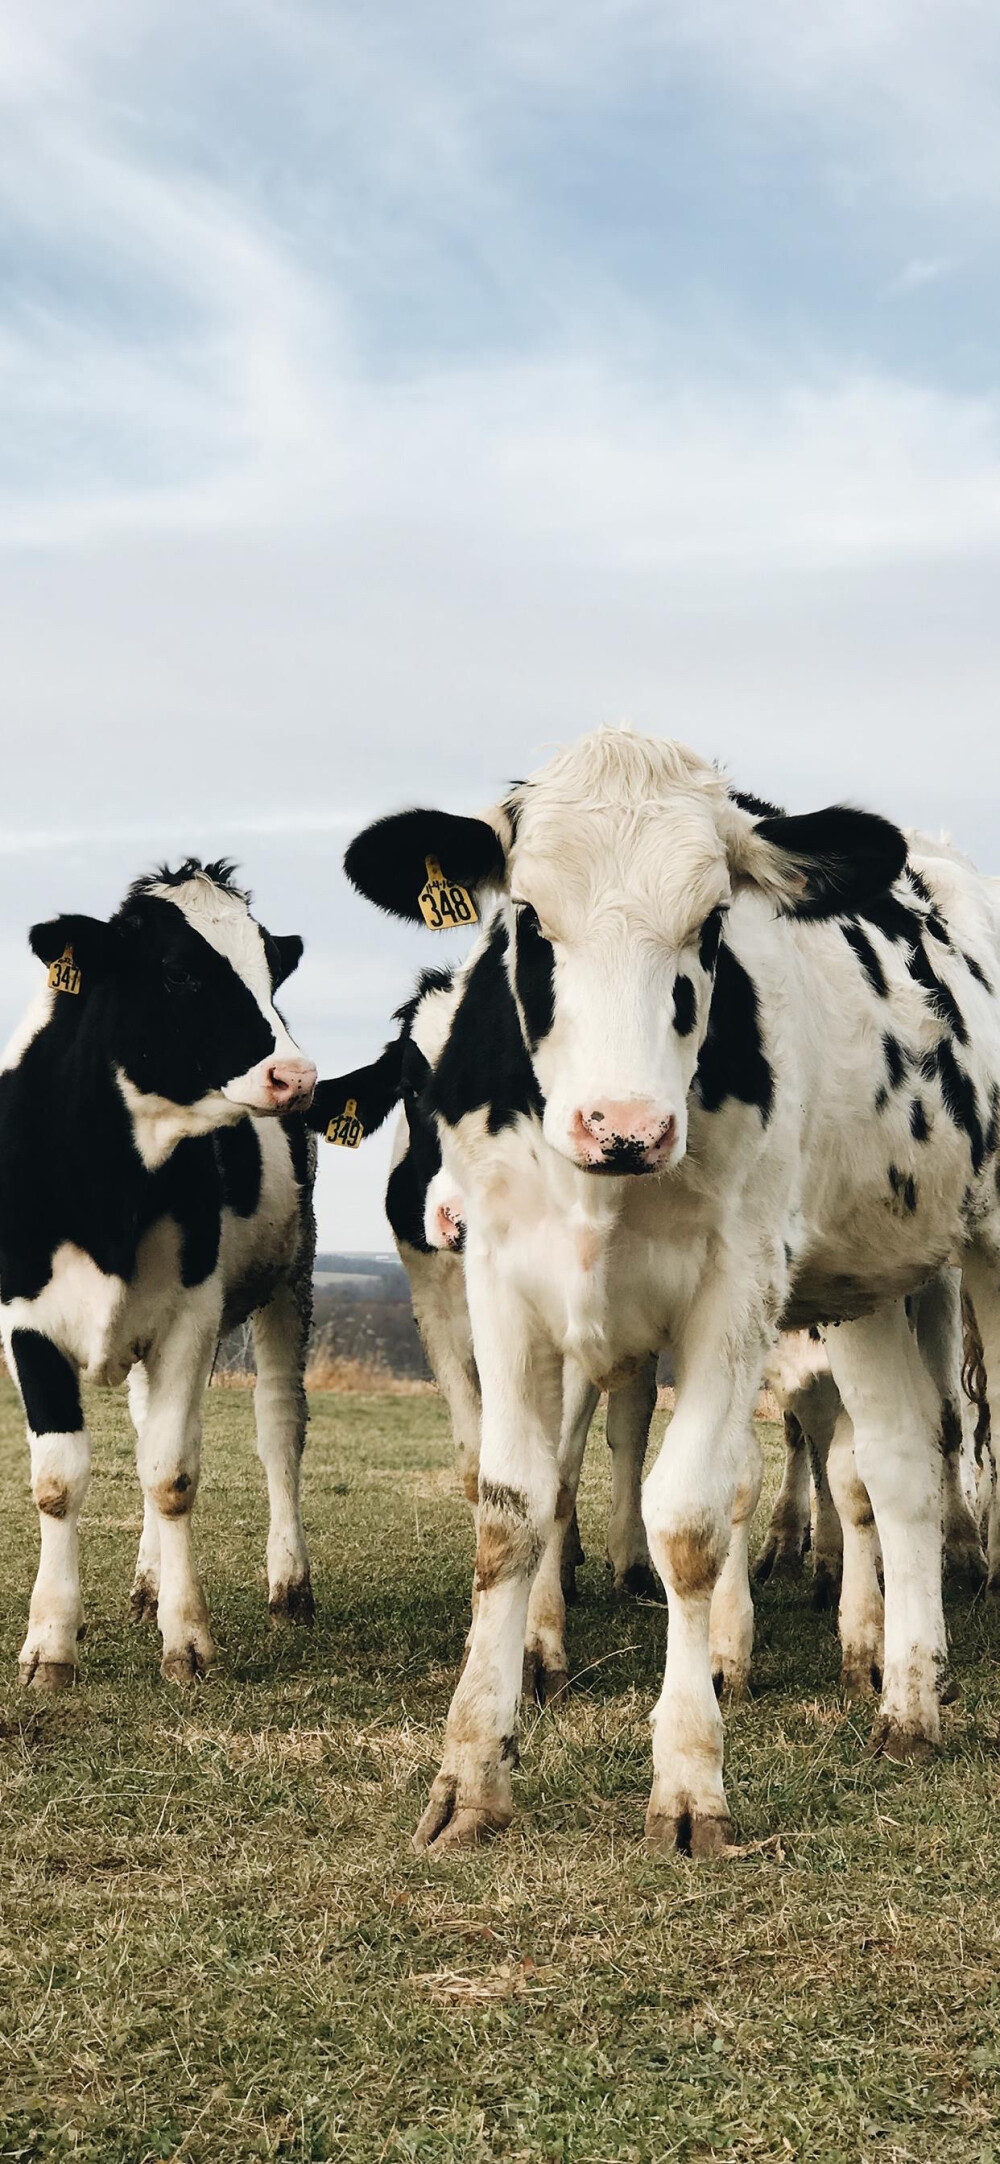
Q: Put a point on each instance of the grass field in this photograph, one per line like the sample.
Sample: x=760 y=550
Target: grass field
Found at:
x=216 y=1943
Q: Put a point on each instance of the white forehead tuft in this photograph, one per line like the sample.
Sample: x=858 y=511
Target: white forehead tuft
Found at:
x=223 y=919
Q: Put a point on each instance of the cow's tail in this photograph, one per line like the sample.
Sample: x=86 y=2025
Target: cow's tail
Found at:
x=974 y=1374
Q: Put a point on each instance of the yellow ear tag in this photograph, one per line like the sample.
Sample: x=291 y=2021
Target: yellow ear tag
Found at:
x=345 y=1128
x=443 y=905
x=64 y=976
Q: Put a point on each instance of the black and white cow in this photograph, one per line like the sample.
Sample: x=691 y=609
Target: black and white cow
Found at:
x=426 y=1213
x=155 y=1189
x=711 y=1067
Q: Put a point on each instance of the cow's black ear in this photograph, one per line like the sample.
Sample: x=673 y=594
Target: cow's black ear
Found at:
x=97 y=947
x=374 y=1091
x=388 y=862
x=289 y=950
x=824 y=863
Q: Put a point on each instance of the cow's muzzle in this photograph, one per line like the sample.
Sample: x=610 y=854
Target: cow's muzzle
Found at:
x=626 y=1137
x=277 y=1085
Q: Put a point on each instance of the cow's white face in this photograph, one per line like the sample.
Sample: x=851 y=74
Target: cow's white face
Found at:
x=613 y=869
x=615 y=918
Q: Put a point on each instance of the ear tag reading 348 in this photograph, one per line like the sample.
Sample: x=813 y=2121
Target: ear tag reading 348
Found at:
x=64 y=976
x=345 y=1128
x=443 y=905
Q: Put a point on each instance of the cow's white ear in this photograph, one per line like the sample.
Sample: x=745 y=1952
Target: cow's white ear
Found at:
x=822 y=864
x=388 y=862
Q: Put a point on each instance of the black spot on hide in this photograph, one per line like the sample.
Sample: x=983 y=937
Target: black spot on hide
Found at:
x=895 y=1060
x=710 y=938
x=48 y=1384
x=534 y=974
x=485 y=1060
x=685 y=1006
x=732 y=1061
x=237 y=1151
x=960 y=1100
x=862 y=946
x=920 y=1125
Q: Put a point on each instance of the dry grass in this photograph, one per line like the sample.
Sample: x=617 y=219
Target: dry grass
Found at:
x=216 y=1943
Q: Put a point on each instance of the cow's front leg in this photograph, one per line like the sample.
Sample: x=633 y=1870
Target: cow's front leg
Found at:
x=546 y=1673
x=169 y=1459
x=281 y=1413
x=60 y=1475
x=895 y=1410
x=521 y=1375
x=688 y=1503
x=630 y=1410
x=731 y=1621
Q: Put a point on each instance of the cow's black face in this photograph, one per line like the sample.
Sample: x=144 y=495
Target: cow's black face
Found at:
x=185 y=1014
x=184 y=1022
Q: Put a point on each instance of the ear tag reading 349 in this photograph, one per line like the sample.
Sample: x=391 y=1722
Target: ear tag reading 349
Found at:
x=443 y=905
x=345 y=1128
x=64 y=976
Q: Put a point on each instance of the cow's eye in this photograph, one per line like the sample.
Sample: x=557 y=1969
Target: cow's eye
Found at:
x=527 y=914
x=178 y=979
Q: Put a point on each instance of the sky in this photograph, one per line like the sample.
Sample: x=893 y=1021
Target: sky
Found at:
x=390 y=394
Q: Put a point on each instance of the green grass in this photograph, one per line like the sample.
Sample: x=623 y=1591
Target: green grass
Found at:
x=216 y=1943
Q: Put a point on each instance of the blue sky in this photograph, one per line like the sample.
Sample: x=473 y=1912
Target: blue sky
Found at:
x=390 y=393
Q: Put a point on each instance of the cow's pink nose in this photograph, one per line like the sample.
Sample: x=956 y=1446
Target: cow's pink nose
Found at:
x=633 y=1135
x=449 y=1225
x=291 y=1083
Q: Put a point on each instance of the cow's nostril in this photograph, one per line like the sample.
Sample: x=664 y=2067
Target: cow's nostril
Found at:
x=595 y=1119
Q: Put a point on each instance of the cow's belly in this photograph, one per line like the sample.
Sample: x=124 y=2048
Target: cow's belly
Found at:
x=257 y=1252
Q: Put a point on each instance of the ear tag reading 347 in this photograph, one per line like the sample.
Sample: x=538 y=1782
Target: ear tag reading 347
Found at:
x=345 y=1128
x=64 y=976
x=443 y=905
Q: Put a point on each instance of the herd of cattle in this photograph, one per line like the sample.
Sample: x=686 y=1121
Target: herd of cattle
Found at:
x=711 y=1077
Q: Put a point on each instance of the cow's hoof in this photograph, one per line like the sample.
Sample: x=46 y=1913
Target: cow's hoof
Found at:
x=143 y=1601
x=185 y=1664
x=541 y=1685
x=292 y=1603
x=699 y=1835
x=639 y=1582
x=448 y=1824
x=48 y=1675
x=901 y=1746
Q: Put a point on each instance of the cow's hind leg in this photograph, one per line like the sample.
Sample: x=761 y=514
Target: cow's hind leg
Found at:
x=787 y=1536
x=731 y=1622
x=895 y=1410
x=939 y=1336
x=60 y=1474
x=630 y=1411
x=861 y=1619
x=281 y=1412
x=145 y=1592
x=545 y=1660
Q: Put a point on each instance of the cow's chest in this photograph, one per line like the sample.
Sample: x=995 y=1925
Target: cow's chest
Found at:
x=105 y=1322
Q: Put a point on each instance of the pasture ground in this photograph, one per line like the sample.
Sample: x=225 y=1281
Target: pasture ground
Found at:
x=216 y=1943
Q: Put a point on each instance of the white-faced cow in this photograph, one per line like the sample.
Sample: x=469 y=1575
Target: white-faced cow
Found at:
x=155 y=1188
x=426 y=1212
x=711 y=1067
